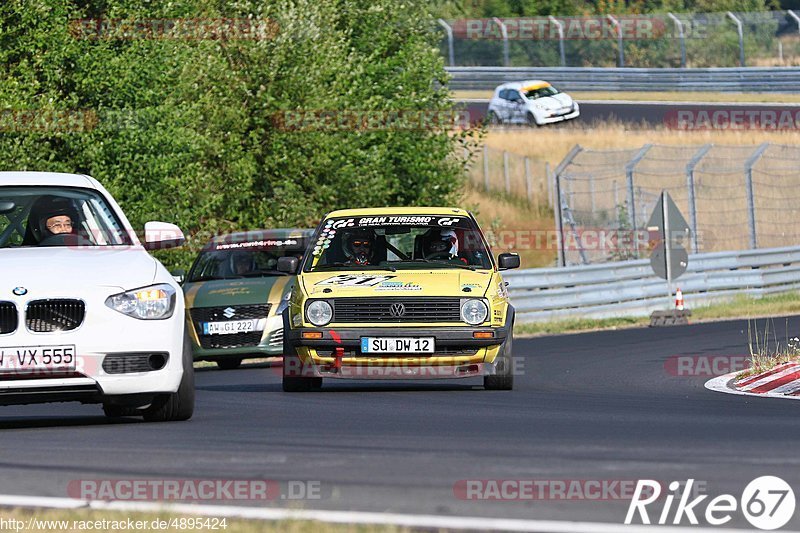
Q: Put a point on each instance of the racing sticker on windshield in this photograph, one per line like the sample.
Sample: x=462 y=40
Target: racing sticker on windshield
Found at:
x=404 y=221
x=354 y=280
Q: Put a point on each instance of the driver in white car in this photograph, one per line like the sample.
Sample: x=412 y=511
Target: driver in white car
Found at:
x=51 y=215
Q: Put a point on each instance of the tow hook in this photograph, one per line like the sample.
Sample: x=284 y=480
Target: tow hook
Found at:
x=338 y=354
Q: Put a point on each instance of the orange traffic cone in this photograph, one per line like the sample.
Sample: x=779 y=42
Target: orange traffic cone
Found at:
x=679 y=300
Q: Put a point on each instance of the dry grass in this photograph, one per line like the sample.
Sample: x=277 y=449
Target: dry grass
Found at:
x=666 y=96
x=766 y=352
x=499 y=214
x=552 y=144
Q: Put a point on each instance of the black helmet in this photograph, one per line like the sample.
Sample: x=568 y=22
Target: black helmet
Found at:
x=45 y=208
x=359 y=246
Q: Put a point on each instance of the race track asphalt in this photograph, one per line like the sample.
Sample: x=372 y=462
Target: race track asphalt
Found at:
x=594 y=406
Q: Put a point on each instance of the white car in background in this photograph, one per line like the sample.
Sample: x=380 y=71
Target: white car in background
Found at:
x=533 y=102
x=86 y=313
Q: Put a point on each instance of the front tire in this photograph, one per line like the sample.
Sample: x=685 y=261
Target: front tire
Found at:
x=503 y=378
x=177 y=405
x=531 y=119
x=295 y=383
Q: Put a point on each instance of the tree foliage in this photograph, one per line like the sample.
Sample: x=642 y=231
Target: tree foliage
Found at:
x=194 y=131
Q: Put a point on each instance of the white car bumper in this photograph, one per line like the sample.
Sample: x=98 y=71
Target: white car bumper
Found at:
x=561 y=118
x=103 y=333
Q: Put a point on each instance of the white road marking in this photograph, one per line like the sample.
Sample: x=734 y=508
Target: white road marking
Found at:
x=356 y=517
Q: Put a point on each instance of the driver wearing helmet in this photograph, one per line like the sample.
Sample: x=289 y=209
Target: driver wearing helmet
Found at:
x=241 y=263
x=441 y=244
x=359 y=247
x=51 y=216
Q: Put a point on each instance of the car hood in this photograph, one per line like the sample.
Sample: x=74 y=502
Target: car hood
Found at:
x=53 y=272
x=434 y=282
x=246 y=291
x=553 y=102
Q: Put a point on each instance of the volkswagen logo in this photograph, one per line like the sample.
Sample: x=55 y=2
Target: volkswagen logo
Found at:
x=229 y=312
x=20 y=291
x=397 y=310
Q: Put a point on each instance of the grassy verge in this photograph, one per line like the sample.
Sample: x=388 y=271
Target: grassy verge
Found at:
x=742 y=307
x=80 y=520
x=666 y=96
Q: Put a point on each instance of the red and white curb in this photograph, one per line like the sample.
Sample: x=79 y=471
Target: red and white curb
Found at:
x=783 y=381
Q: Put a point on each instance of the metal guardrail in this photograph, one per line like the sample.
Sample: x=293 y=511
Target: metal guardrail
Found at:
x=630 y=288
x=750 y=79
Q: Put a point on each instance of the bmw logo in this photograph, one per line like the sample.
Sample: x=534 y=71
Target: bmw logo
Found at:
x=20 y=291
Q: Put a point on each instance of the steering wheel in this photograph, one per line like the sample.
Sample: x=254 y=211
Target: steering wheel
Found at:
x=65 y=239
x=438 y=255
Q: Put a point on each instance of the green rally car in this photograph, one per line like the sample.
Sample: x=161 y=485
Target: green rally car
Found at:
x=235 y=295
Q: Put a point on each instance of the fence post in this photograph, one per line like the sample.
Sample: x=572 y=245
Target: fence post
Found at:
x=751 y=204
x=795 y=17
x=506 y=175
x=631 y=204
x=557 y=207
x=560 y=26
x=620 y=49
x=681 y=38
x=690 y=166
x=741 y=37
x=528 y=183
x=486 y=167
x=504 y=33
x=449 y=30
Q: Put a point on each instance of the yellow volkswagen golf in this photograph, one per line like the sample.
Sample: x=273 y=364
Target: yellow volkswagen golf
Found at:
x=398 y=293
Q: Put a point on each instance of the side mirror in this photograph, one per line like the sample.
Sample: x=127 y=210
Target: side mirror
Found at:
x=7 y=207
x=162 y=235
x=289 y=265
x=179 y=275
x=507 y=261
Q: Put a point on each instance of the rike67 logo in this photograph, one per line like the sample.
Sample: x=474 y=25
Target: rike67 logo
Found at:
x=767 y=503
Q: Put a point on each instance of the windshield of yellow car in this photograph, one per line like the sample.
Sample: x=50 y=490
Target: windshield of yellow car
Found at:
x=394 y=242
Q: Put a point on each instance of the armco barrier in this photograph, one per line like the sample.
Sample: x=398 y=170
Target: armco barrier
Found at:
x=630 y=288
x=749 y=79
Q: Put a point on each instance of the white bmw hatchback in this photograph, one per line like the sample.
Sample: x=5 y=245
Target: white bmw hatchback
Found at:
x=86 y=313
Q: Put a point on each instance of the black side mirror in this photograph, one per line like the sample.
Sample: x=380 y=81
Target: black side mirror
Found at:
x=7 y=207
x=507 y=261
x=289 y=265
x=179 y=275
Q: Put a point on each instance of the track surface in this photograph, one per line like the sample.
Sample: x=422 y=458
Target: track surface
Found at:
x=591 y=406
x=647 y=114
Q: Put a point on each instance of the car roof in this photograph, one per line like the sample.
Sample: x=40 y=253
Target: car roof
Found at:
x=377 y=211
x=527 y=85
x=262 y=234
x=43 y=179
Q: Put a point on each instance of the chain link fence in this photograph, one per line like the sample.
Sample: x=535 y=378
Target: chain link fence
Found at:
x=732 y=197
x=515 y=175
x=770 y=38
